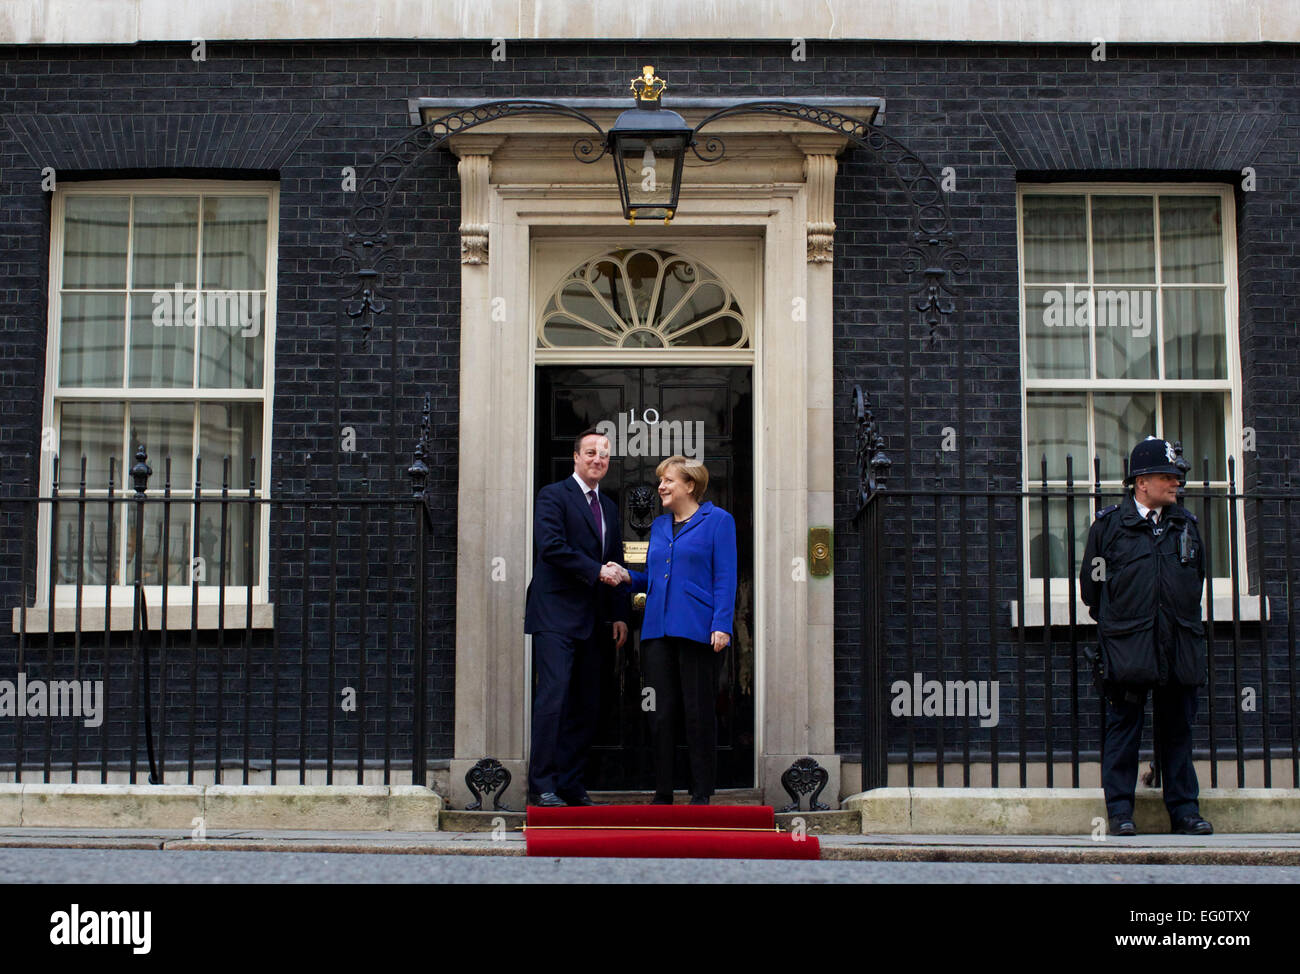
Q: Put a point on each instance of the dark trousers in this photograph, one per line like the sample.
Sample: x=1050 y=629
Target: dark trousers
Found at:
x=1173 y=708
x=666 y=665
x=566 y=705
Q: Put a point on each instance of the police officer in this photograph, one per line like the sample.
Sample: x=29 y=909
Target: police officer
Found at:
x=1142 y=578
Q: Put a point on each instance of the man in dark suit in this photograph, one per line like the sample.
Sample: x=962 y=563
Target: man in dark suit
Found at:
x=572 y=617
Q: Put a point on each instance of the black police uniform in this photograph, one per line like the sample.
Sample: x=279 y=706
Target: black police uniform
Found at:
x=1145 y=593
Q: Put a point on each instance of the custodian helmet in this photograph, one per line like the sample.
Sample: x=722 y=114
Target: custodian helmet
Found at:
x=1152 y=455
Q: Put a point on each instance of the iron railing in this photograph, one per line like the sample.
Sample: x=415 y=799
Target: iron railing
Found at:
x=271 y=631
x=957 y=584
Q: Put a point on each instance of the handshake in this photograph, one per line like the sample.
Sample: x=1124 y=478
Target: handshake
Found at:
x=612 y=573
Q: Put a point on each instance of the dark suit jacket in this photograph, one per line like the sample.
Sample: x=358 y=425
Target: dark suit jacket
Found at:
x=566 y=595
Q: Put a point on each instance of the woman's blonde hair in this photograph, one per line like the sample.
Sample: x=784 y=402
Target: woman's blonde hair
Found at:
x=693 y=470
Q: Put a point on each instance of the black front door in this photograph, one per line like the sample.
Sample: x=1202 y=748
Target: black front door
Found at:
x=654 y=412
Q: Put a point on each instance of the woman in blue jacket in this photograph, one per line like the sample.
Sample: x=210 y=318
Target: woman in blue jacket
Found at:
x=690 y=586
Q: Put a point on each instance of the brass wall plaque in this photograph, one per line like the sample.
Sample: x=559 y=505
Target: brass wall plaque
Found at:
x=819 y=552
x=635 y=552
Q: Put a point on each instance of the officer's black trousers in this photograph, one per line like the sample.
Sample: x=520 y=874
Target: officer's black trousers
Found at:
x=1174 y=709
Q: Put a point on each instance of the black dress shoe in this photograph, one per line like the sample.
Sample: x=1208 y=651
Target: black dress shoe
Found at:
x=1122 y=825
x=578 y=800
x=548 y=799
x=661 y=800
x=700 y=801
x=1192 y=825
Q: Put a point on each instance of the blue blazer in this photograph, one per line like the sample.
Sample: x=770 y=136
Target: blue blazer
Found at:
x=565 y=595
x=690 y=580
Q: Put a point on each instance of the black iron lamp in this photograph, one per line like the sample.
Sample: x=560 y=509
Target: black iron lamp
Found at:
x=649 y=146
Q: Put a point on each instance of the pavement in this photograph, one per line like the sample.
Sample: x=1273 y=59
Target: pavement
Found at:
x=149 y=868
x=1261 y=849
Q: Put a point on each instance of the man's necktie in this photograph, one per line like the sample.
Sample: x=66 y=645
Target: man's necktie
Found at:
x=595 y=514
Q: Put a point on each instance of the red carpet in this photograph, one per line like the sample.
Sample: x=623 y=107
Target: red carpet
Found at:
x=664 y=832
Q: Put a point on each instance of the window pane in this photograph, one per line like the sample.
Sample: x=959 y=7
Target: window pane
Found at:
x=1056 y=534
x=1123 y=239
x=94 y=241
x=1122 y=420
x=92 y=430
x=563 y=332
x=92 y=334
x=88 y=536
x=1195 y=342
x=176 y=552
x=1191 y=240
x=1126 y=333
x=1058 y=425
x=1214 y=528
x=166 y=241
x=167 y=430
x=1056 y=238
x=231 y=332
x=162 y=341
x=229 y=430
x=1056 y=333
x=234 y=243
x=1196 y=420
x=237 y=553
x=720 y=332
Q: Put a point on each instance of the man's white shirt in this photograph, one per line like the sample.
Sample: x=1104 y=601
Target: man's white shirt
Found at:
x=596 y=490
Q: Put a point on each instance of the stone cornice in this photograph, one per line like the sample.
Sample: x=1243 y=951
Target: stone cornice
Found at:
x=1025 y=21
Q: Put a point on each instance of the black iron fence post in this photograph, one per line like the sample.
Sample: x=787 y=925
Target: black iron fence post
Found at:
x=418 y=471
x=873 y=472
x=140 y=473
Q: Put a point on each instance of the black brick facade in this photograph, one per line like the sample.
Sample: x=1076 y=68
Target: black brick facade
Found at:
x=995 y=113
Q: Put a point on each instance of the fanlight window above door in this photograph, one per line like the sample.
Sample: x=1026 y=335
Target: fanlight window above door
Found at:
x=643 y=298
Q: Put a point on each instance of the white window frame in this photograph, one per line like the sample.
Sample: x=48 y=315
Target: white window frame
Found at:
x=1031 y=471
x=93 y=596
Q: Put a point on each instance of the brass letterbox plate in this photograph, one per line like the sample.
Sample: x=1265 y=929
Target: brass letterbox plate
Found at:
x=635 y=552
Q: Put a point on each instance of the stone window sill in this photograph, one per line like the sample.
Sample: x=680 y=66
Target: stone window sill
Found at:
x=1251 y=606
x=178 y=617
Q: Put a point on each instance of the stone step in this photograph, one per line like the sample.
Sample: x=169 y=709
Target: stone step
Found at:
x=814 y=823
x=823 y=823
x=453 y=821
x=724 y=796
